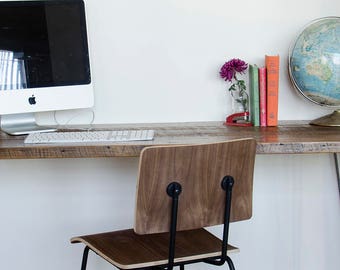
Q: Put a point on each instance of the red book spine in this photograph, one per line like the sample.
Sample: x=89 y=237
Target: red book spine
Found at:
x=263 y=96
x=273 y=68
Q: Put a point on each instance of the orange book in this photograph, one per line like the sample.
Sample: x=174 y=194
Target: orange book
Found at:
x=273 y=69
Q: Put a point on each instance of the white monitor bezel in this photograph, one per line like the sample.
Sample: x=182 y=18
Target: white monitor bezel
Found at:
x=46 y=99
x=52 y=98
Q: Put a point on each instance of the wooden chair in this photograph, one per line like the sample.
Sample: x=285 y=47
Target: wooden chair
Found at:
x=180 y=190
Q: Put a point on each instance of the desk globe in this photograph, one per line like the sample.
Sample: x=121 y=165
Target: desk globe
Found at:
x=314 y=66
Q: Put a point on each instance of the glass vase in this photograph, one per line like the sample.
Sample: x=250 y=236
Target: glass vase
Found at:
x=240 y=101
x=240 y=109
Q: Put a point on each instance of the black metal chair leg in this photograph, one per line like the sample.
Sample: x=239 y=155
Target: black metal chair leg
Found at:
x=230 y=263
x=181 y=267
x=84 y=260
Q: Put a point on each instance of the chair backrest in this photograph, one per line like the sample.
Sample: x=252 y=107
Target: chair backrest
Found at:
x=200 y=170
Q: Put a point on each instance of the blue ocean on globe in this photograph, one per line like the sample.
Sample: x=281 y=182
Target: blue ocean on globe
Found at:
x=314 y=62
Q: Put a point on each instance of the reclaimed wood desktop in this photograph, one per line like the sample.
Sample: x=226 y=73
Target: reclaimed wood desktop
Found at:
x=290 y=137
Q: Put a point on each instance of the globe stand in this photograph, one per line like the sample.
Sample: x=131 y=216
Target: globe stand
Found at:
x=330 y=120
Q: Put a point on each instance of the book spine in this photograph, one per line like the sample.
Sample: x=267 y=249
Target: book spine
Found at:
x=254 y=95
x=272 y=65
x=263 y=96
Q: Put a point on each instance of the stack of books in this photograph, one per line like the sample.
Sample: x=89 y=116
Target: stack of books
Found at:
x=264 y=92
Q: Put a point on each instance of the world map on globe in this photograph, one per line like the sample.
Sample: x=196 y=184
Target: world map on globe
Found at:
x=314 y=62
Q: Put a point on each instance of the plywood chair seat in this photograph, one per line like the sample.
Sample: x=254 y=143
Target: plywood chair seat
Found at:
x=128 y=250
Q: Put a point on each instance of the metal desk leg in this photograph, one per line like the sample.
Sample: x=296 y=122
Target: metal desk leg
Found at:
x=336 y=159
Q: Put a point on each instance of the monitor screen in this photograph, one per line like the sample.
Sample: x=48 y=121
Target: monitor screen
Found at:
x=44 y=56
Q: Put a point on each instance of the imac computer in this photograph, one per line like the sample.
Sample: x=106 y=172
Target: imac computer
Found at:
x=44 y=61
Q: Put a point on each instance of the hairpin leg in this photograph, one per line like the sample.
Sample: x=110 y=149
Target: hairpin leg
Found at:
x=337 y=169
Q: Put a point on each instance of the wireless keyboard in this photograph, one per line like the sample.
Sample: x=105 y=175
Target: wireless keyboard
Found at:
x=90 y=136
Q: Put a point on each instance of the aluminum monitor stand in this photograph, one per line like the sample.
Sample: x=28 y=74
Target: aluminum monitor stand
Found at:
x=20 y=124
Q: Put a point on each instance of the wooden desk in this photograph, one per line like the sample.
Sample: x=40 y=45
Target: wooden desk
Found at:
x=290 y=137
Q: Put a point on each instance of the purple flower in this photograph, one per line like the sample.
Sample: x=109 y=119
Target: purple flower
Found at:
x=230 y=68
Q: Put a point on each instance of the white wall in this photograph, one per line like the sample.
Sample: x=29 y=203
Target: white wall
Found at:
x=158 y=61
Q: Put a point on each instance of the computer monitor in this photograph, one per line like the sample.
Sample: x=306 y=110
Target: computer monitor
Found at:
x=44 y=61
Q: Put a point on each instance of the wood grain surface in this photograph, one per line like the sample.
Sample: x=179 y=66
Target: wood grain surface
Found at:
x=128 y=250
x=290 y=137
x=199 y=169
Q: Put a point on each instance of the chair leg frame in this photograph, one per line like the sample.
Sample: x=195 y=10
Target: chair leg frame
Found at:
x=174 y=189
x=85 y=256
x=227 y=185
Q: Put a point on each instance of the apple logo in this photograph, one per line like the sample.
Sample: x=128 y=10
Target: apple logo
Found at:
x=31 y=100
